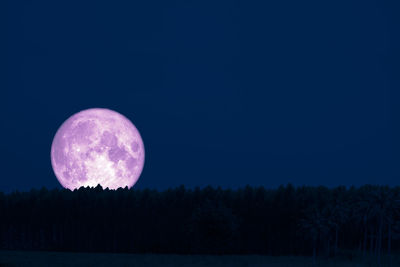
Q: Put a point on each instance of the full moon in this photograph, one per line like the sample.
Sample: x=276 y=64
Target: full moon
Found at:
x=97 y=147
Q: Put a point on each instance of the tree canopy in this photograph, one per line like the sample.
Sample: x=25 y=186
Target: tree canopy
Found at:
x=252 y=220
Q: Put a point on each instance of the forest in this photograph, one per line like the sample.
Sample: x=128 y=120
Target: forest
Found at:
x=310 y=221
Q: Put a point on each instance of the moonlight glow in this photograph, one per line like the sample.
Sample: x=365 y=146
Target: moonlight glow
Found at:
x=97 y=146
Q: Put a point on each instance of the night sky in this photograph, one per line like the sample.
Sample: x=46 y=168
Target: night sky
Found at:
x=224 y=93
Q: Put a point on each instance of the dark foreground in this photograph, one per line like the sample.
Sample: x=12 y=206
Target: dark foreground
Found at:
x=29 y=258
x=211 y=221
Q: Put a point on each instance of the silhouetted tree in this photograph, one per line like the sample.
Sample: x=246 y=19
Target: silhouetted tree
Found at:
x=284 y=221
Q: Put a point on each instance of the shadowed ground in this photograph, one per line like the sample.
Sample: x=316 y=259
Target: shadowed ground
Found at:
x=29 y=258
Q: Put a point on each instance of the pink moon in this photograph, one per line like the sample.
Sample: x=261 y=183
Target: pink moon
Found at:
x=97 y=147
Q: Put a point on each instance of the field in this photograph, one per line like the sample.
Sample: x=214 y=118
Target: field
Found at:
x=24 y=258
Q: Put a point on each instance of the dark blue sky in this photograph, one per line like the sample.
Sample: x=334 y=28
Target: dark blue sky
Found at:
x=224 y=93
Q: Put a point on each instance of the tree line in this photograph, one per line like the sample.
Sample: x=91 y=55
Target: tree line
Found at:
x=252 y=220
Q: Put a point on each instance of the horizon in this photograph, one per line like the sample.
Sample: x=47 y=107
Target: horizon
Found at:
x=347 y=187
